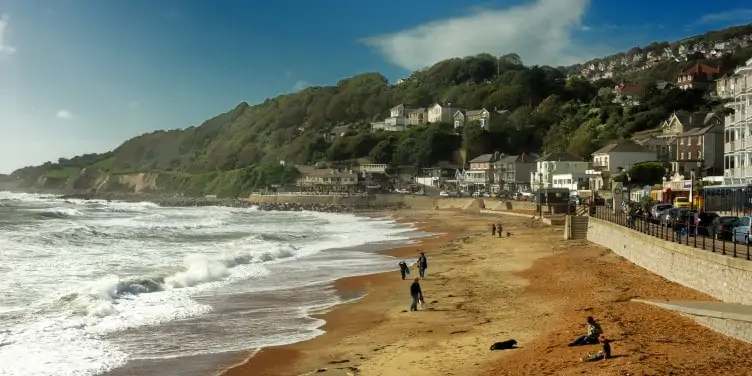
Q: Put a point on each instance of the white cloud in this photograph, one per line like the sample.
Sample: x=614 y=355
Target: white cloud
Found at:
x=300 y=85
x=734 y=15
x=540 y=32
x=4 y=47
x=64 y=114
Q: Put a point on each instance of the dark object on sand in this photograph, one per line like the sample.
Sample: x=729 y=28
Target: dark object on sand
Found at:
x=509 y=234
x=506 y=345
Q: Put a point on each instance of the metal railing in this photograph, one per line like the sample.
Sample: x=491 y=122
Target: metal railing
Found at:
x=686 y=234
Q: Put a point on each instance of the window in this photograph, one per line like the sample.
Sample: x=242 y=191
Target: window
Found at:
x=456 y=123
x=681 y=141
x=699 y=155
x=681 y=156
x=699 y=140
x=689 y=155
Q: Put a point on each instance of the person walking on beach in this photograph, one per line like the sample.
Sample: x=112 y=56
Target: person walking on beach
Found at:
x=422 y=265
x=493 y=229
x=499 y=229
x=416 y=294
x=404 y=269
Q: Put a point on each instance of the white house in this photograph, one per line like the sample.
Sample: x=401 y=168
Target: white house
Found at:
x=556 y=163
x=441 y=114
x=618 y=155
x=621 y=154
x=573 y=181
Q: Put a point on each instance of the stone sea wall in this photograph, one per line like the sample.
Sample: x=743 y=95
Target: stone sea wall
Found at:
x=723 y=277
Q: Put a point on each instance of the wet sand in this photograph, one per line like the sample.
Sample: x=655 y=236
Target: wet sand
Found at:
x=533 y=287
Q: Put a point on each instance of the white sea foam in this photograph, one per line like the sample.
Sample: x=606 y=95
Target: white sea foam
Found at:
x=76 y=273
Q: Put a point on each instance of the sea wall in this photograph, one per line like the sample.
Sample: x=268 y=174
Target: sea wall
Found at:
x=411 y=201
x=723 y=277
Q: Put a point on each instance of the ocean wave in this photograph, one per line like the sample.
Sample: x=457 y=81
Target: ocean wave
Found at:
x=58 y=213
x=99 y=298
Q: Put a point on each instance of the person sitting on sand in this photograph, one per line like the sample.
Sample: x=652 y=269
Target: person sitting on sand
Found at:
x=416 y=294
x=593 y=332
x=404 y=269
x=605 y=353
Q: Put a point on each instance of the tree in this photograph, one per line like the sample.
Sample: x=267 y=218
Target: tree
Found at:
x=646 y=173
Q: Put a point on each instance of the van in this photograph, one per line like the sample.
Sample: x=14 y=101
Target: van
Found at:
x=742 y=229
x=682 y=203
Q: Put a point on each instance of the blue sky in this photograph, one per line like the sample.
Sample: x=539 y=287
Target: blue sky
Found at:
x=82 y=76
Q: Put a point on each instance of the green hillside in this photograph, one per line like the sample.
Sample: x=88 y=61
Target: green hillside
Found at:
x=240 y=150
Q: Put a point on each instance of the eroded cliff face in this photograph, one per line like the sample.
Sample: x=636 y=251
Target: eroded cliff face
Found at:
x=138 y=182
x=90 y=181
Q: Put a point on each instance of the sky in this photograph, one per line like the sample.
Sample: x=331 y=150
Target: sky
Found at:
x=85 y=75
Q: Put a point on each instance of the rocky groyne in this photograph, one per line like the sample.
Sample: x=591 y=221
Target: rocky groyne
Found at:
x=184 y=201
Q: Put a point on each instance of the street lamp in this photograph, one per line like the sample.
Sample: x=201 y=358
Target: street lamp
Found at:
x=540 y=194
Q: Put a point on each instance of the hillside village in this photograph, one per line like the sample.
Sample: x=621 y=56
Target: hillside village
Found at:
x=638 y=59
x=702 y=146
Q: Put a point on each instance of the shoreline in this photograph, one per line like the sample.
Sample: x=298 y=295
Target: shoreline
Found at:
x=535 y=288
x=269 y=359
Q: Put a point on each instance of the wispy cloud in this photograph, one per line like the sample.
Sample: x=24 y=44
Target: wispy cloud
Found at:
x=288 y=74
x=64 y=114
x=729 y=16
x=300 y=85
x=5 y=48
x=540 y=32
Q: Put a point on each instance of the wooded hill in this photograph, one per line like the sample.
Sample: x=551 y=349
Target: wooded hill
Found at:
x=240 y=150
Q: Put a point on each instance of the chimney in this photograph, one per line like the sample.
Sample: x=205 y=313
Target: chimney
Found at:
x=523 y=157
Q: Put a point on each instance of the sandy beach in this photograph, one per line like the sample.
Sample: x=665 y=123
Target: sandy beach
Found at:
x=533 y=287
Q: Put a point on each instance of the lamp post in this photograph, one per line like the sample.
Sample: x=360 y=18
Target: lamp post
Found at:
x=540 y=194
x=691 y=189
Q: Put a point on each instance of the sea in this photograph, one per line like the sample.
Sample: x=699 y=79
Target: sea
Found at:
x=88 y=287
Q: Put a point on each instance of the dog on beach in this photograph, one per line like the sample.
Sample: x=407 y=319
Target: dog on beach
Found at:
x=509 y=234
x=505 y=345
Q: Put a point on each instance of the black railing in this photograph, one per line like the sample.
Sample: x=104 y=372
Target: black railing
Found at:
x=728 y=242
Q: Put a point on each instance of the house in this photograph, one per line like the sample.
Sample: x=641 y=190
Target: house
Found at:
x=555 y=163
x=615 y=157
x=701 y=150
x=417 y=116
x=441 y=114
x=682 y=121
x=572 y=181
x=621 y=154
x=481 y=170
x=328 y=180
x=482 y=116
x=397 y=120
x=738 y=137
x=699 y=76
x=436 y=176
x=512 y=172
x=664 y=148
x=374 y=168
x=628 y=93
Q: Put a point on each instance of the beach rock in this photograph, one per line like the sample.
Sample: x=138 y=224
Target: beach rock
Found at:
x=187 y=201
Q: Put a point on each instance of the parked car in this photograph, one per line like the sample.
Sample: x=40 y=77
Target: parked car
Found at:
x=741 y=230
x=666 y=216
x=657 y=210
x=722 y=228
x=706 y=218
